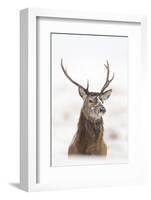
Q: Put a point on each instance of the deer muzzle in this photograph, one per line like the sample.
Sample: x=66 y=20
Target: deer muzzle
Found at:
x=102 y=110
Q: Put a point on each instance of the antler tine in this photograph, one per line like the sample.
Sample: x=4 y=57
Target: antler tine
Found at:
x=108 y=81
x=87 y=85
x=74 y=82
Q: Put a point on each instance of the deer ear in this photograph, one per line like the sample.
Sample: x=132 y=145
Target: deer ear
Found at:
x=105 y=95
x=82 y=92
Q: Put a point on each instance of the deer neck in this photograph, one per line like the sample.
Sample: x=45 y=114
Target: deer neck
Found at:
x=90 y=130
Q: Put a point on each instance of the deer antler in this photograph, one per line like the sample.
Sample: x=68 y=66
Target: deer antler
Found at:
x=108 y=81
x=74 y=82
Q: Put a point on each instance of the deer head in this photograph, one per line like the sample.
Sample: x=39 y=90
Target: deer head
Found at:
x=93 y=105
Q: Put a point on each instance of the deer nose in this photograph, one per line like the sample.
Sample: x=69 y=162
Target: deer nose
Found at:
x=102 y=109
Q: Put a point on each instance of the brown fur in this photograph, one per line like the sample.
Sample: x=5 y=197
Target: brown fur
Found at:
x=89 y=138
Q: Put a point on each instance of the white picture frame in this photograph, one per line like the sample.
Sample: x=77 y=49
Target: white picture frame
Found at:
x=29 y=148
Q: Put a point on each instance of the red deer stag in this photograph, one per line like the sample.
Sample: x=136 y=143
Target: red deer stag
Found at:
x=88 y=139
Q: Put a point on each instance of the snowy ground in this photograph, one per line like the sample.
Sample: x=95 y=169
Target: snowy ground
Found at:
x=115 y=135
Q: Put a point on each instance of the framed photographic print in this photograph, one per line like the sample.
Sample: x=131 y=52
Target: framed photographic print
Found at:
x=80 y=123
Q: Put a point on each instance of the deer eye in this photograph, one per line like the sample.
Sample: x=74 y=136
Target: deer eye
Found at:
x=90 y=101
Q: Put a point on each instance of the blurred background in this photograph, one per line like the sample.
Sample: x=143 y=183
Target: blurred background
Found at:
x=84 y=57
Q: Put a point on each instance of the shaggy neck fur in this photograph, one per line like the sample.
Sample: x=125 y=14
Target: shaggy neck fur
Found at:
x=89 y=131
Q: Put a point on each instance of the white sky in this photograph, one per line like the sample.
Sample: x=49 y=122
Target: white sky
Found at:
x=84 y=56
